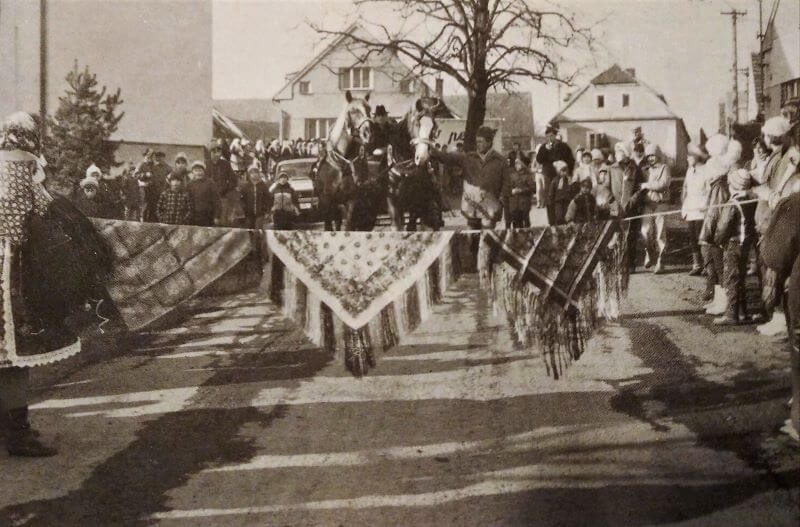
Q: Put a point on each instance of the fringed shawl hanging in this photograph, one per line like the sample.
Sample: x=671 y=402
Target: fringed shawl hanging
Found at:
x=555 y=284
x=360 y=292
x=157 y=266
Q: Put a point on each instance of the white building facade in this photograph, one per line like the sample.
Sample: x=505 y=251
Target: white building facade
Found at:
x=606 y=111
x=313 y=98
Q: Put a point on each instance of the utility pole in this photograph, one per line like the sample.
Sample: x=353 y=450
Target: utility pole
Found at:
x=746 y=73
x=760 y=102
x=734 y=14
x=42 y=69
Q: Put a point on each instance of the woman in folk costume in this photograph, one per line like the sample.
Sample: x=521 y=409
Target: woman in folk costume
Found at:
x=693 y=202
x=721 y=151
x=53 y=266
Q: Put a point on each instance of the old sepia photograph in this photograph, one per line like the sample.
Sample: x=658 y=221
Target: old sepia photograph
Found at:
x=400 y=263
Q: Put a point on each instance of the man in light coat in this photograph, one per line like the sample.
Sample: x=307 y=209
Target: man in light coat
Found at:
x=656 y=197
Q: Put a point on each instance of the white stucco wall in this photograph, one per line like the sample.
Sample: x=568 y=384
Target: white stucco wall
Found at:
x=326 y=100
x=643 y=103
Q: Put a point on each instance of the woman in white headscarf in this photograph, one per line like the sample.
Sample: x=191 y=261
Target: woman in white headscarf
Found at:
x=53 y=266
x=693 y=202
x=724 y=154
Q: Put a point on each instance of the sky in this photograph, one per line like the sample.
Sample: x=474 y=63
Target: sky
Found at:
x=682 y=48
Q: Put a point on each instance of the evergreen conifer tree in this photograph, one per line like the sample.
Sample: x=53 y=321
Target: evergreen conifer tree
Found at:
x=79 y=132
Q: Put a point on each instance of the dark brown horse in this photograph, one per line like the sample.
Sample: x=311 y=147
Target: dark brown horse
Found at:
x=335 y=184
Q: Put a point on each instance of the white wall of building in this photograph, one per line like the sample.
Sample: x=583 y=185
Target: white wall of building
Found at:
x=326 y=100
x=642 y=103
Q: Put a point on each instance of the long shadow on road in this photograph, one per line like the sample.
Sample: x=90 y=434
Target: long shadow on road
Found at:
x=167 y=451
x=733 y=417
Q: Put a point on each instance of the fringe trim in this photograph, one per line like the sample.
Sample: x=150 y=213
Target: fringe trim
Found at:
x=560 y=333
x=360 y=347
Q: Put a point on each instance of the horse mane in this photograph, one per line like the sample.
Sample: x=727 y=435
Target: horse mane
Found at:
x=338 y=128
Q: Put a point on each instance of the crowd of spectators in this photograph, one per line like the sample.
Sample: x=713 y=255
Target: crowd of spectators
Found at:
x=235 y=189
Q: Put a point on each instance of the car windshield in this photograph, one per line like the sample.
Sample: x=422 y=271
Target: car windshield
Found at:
x=296 y=170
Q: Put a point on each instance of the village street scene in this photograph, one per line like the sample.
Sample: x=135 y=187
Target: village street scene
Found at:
x=400 y=262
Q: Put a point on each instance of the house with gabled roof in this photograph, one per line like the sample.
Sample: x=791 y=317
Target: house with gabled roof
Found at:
x=313 y=97
x=780 y=49
x=611 y=105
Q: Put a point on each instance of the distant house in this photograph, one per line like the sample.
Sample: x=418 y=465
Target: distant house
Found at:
x=606 y=111
x=515 y=110
x=313 y=97
x=780 y=50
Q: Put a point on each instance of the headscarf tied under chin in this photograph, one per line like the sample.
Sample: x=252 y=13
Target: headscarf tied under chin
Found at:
x=21 y=176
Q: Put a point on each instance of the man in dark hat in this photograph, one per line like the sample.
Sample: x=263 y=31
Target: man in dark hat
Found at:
x=487 y=180
x=553 y=150
x=383 y=125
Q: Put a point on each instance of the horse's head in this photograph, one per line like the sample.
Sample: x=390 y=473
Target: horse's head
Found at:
x=421 y=125
x=359 y=118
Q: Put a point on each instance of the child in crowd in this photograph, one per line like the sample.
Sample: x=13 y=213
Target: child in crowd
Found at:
x=87 y=199
x=734 y=234
x=256 y=199
x=181 y=168
x=205 y=196
x=561 y=191
x=584 y=169
x=285 y=205
x=605 y=202
x=693 y=198
x=519 y=202
x=582 y=208
x=175 y=204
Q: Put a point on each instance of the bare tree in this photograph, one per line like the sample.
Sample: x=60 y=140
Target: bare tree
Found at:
x=481 y=44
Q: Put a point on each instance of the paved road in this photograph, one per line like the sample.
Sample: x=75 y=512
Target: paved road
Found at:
x=232 y=418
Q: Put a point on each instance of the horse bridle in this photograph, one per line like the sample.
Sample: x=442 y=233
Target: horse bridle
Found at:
x=354 y=130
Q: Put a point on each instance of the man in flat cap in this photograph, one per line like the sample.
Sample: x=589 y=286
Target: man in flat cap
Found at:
x=553 y=150
x=487 y=180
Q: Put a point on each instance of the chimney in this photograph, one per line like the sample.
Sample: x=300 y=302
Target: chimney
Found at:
x=631 y=72
x=440 y=87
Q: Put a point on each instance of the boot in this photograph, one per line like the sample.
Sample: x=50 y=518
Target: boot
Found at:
x=720 y=302
x=697 y=265
x=21 y=440
x=774 y=327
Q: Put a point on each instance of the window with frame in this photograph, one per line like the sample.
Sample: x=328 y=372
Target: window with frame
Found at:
x=318 y=128
x=305 y=87
x=601 y=101
x=407 y=86
x=596 y=140
x=626 y=100
x=355 y=78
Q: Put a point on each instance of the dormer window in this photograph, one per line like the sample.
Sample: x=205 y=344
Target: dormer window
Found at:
x=601 y=101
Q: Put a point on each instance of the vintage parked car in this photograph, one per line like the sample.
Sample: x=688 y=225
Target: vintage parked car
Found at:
x=299 y=170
